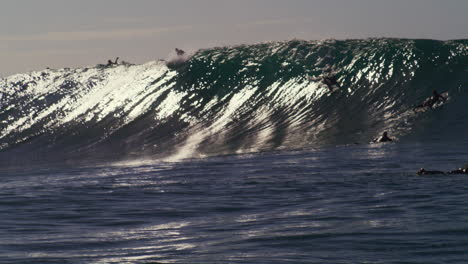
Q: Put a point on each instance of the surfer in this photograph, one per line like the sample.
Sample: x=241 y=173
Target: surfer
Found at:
x=110 y=63
x=330 y=81
x=430 y=102
x=179 y=52
x=436 y=96
x=422 y=171
x=463 y=170
x=329 y=77
x=383 y=138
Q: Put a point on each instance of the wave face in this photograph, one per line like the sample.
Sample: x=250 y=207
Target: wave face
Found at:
x=237 y=99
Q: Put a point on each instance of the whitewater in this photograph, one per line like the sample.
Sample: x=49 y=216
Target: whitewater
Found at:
x=239 y=154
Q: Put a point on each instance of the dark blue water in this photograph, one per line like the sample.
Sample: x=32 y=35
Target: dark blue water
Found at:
x=344 y=204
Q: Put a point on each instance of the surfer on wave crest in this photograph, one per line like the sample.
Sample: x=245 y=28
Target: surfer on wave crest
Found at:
x=179 y=52
x=110 y=63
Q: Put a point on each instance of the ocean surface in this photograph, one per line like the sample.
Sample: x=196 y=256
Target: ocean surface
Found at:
x=240 y=155
x=348 y=204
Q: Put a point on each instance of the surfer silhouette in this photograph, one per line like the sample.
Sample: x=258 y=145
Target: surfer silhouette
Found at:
x=436 y=97
x=330 y=81
x=179 y=52
x=383 y=138
x=110 y=63
x=463 y=170
x=430 y=102
x=329 y=77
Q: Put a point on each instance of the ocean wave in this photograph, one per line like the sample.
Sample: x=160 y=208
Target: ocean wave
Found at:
x=238 y=99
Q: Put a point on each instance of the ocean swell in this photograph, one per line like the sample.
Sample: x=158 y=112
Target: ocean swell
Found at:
x=239 y=99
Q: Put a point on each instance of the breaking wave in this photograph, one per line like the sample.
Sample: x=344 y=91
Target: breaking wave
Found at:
x=237 y=99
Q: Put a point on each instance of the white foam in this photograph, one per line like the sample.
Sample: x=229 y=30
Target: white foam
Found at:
x=122 y=91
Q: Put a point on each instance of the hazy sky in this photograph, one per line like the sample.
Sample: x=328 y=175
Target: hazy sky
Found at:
x=35 y=34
